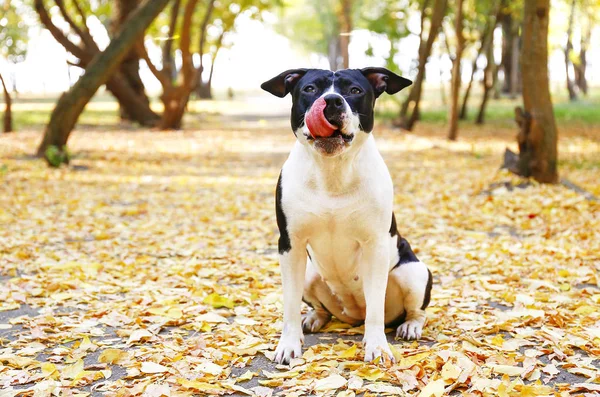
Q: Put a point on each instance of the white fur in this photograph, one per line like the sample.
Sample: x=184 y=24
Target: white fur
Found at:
x=339 y=210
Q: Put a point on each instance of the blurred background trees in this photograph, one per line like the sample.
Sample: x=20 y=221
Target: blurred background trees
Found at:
x=468 y=52
x=13 y=48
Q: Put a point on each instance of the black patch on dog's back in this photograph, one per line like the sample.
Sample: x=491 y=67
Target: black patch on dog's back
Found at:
x=405 y=252
x=284 y=244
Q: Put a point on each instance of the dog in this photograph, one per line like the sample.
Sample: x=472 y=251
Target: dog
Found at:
x=339 y=247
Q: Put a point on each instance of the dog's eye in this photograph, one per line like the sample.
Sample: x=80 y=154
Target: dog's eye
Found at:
x=310 y=89
x=355 y=91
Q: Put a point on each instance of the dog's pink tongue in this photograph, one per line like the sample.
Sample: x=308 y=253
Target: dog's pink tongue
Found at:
x=316 y=122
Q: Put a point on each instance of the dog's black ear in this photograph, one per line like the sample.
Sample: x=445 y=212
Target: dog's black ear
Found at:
x=284 y=82
x=384 y=80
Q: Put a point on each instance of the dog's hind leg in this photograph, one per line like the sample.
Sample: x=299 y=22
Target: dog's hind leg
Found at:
x=412 y=282
x=315 y=293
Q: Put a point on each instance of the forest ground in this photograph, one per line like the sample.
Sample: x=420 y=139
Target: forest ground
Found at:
x=150 y=266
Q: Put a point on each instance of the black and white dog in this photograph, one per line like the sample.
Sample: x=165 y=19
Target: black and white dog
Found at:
x=339 y=247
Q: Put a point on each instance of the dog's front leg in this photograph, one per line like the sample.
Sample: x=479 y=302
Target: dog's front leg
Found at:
x=374 y=269
x=293 y=267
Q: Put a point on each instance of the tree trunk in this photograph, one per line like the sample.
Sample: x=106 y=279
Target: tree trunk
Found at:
x=568 y=51
x=71 y=104
x=496 y=86
x=201 y=86
x=442 y=85
x=136 y=106
x=455 y=85
x=7 y=124
x=581 y=68
x=486 y=39
x=175 y=98
x=130 y=67
x=515 y=78
x=206 y=92
x=409 y=112
x=206 y=87
x=507 y=52
x=538 y=135
x=333 y=53
x=168 y=64
x=489 y=81
x=345 y=22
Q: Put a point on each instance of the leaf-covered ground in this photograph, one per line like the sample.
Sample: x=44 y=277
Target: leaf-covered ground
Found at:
x=149 y=267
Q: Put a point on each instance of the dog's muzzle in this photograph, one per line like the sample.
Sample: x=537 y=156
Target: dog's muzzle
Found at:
x=325 y=120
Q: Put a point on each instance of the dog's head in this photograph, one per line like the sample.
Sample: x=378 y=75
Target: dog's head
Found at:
x=332 y=111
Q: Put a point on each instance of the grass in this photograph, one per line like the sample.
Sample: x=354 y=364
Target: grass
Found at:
x=33 y=112
x=583 y=112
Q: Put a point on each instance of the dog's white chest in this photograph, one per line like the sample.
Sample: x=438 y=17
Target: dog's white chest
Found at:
x=336 y=224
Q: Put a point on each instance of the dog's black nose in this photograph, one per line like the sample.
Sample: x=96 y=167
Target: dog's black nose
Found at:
x=334 y=101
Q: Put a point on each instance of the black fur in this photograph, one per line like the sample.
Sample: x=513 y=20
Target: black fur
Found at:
x=427 y=297
x=284 y=238
x=405 y=252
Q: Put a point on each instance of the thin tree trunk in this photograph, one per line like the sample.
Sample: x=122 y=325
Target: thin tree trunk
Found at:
x=345 y=22
x=333 y=53
x=581 y=68
x=71 y=104
x=442 y=86
x=168 y=62
x=515 y=69
x=507 y=48
x=206 y=91
x=486 y=39
x=455 y=85
x=201 y=86
x=488 y=82
x=568 y=51
x=538 y=135
x=7 y=124
x=175 y=98
x=409 y=112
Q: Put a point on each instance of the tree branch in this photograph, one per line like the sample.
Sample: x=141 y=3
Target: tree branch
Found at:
x=85 y=37
x=187 y=66
x=161 y=76
x=203 y=27
x=83 y=16
x=168 y=46
x=58 y=34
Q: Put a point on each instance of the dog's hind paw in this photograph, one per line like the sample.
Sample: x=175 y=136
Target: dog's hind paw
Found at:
x=313 y=321
x=410 y=330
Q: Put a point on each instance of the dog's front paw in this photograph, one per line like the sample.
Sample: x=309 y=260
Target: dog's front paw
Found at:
x=289 y=346
x=377 y=347
x=410 y=330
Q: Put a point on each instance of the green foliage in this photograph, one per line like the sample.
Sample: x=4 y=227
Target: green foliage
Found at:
x=56 y=156
x=389 y=19
x=13 y=31
x=311 y=25
x=226 y=13
x=223 y=18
